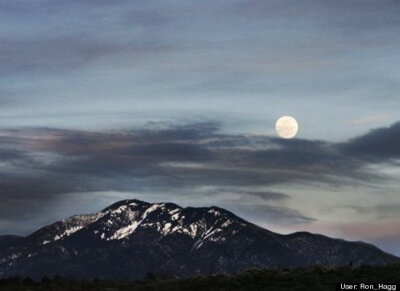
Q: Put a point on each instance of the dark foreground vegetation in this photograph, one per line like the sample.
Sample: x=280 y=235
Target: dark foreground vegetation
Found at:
x=314 y=278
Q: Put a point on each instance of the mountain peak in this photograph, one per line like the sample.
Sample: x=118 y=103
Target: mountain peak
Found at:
x=136 y=237
x=126 y=202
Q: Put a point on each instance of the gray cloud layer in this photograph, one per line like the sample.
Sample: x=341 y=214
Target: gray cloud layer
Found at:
x=380 y=144
x=41 y=165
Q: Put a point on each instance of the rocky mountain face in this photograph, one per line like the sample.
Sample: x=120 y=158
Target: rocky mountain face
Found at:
x=132 y=238
x=8 y=240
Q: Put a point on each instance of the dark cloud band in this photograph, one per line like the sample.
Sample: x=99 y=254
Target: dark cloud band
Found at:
x=43 y=164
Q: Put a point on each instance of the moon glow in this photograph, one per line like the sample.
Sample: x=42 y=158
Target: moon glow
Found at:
x=286 y=127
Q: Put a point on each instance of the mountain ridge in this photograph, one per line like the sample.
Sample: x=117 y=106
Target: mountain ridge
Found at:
x=130 y=238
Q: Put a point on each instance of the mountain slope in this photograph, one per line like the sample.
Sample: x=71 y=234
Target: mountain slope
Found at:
x=131 y=238
x=8 y=240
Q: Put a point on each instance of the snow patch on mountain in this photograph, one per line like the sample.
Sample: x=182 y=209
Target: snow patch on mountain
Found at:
x=227 y=223
x=68 y=232
x=193 y=230
x=71 y=225
x=153 y=208
x=121 y=221
x=214 y=211
x=125 y=231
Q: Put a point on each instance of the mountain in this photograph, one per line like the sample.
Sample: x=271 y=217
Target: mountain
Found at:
x=8 y=240
x=131 y=238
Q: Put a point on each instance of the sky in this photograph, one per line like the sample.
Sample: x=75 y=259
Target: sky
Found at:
x=177 y=101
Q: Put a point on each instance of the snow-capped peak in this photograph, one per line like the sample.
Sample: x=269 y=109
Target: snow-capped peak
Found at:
x=123 y=219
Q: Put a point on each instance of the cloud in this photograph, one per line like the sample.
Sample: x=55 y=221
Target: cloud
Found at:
x=198 y=155
x=336 y=14
x=378 y=145
x=195 y=155
x=42 y=165
x=60 y=54
x=380 y=211
x=373 y=119
x=56 y=38
x=263 y=195
x=272 y=214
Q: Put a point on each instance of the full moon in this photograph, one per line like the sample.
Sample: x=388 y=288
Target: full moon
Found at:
x=286 y=127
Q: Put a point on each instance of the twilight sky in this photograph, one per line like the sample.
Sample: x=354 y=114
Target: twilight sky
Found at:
x=177 y=100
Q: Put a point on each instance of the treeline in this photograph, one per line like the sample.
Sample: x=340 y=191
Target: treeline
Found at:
x=313 y=278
